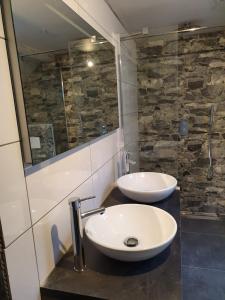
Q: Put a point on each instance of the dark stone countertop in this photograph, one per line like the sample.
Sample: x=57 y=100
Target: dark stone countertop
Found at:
x=158 y=278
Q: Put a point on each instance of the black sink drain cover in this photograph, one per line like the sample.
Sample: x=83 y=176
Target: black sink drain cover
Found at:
x=131 y=241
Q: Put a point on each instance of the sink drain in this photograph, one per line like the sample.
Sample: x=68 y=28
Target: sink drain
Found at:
x=131 y=242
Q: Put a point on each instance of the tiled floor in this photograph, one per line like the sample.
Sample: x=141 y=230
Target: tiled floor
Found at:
x=203 y=259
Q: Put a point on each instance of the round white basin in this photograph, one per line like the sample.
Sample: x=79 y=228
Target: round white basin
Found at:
x=131 y=232
x=147 y=187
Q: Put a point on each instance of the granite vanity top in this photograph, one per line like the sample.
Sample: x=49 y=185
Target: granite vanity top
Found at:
x=158 y=278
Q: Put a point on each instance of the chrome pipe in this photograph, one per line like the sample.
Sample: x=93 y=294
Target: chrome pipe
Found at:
x=89 y=213
x=139 y=35
x=211 y=120
x=77 y=235
x=77 y=230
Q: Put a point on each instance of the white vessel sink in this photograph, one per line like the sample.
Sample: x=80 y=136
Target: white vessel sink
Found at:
x=147 y=230
x=147 y=186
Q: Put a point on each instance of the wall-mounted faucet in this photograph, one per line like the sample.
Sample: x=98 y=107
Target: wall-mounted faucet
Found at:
x=77 y=230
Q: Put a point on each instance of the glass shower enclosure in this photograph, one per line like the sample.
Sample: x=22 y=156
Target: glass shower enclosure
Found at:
x=180 y=114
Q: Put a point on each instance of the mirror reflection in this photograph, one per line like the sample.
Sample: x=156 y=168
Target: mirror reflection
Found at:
x=68 y=75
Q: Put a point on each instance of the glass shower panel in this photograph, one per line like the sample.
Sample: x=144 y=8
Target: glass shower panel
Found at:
x=158 y=103
x=202 y=81
x=44 y=103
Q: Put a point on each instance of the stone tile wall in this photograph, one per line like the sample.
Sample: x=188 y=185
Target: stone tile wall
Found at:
x=180 y=79
x=93 y=94
x=44 y=104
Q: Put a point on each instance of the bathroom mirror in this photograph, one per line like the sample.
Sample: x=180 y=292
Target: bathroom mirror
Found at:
x=68 y=75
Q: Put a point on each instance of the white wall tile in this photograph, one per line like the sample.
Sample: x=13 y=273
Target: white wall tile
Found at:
x=128 y=72
x=118 y=167
x=14 y=209
x=103 y=150
x=22 y=268
x=52 y=233
x=8 y=128
x=129 y=49
x=131 y=133
x=129 y=96
x=104 y=181
x=48 y=186
x=128 y=66
x=1 y=25
x=120 y=139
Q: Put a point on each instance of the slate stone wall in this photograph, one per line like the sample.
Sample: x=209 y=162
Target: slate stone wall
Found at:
x=44 y=105
x=179 y=80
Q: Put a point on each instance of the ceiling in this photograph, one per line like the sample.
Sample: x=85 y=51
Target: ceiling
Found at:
x=46 y=25
x=155 y=14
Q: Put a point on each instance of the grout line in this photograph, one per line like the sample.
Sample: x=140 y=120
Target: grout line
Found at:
x=35 y=253
x=135 y=113
x=105 y=163
x=19 y=236
x=203 y=233
x=131 y=113
x=10 y=143
x=32 y=229
x=38 y=167
x=33 y=224
x=129 y=83
x=45 y=214
x=203 y=268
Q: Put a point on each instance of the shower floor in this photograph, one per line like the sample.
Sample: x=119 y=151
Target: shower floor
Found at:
x=203 y=259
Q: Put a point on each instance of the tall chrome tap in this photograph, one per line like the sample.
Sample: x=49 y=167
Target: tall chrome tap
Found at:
x=77 y=230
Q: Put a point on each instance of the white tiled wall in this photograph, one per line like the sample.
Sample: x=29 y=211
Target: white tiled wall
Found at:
x=129 y=104
x=52 y=233
x=103 y=150
x=14 y=206
x=22 y=270
x=47 y=187
x=34 y=246
x=130 y=101
x=14 y=209
x=103 y=181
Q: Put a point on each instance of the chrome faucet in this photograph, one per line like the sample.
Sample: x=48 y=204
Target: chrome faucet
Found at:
x=77 y=230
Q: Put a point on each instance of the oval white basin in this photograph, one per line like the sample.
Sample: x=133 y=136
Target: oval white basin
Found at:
x=147 y=230
x=147 y=186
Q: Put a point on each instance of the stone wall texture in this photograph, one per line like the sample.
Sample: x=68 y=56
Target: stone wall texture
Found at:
x=180 y=78
x=80 y=102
